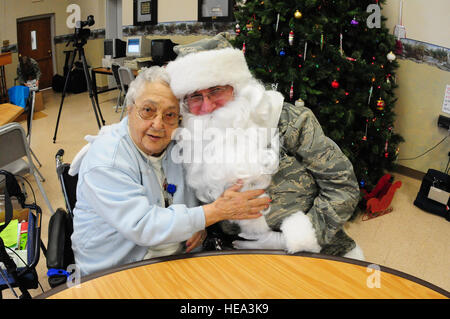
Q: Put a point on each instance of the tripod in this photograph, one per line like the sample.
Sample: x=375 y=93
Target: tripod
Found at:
x=79 y=43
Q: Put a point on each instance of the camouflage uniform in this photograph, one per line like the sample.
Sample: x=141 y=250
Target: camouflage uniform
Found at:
x=36 y=72
x=315 y=177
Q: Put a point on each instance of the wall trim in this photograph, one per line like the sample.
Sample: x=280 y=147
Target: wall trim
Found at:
x=423 y=52
x=408 y=172
x=164 y=29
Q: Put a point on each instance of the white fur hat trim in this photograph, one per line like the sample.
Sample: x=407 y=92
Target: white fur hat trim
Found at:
x=201 y=70
x=299 y=234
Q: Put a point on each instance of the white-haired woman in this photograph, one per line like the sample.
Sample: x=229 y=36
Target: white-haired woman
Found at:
x=132 y=199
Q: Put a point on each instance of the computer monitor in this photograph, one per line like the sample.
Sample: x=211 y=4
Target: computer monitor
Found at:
x=116 y=48
x=162 y=51
x=138 y=46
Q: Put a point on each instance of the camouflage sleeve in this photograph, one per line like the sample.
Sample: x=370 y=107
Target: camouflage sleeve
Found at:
x=338 y=191
x=36 y=69
x=20 y=78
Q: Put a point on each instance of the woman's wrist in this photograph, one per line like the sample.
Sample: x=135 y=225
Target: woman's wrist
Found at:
x=211 y=214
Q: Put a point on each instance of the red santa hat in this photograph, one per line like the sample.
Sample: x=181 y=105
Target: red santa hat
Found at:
x=207 y=63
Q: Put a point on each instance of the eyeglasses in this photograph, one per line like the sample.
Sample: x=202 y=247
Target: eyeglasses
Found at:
x=149 y=113
x=214 y=95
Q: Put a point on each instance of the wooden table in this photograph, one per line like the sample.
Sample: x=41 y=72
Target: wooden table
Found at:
x=105 y=71
x=5 y=58
x=264 y=274
x=9 y=112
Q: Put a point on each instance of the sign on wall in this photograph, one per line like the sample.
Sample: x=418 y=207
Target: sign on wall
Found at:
x=215 y=10
x=145 y=12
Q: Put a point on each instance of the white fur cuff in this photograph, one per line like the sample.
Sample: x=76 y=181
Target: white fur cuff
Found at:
x=299 y=234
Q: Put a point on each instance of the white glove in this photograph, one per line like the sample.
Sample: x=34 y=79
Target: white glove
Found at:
x=267 y=240
x=76 y=162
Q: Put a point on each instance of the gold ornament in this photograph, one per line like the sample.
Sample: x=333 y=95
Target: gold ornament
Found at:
x=299 y=102
x=297 y=14
x=380 y=104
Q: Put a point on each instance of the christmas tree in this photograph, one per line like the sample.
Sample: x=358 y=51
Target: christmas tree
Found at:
x=335 y=56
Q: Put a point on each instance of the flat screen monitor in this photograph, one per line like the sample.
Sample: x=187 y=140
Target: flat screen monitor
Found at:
x=162 y=51
x=138 y=46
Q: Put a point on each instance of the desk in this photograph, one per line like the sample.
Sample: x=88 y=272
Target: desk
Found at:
x=262 y=274
x=5 y=58
x=9 y=112
x=106 y=71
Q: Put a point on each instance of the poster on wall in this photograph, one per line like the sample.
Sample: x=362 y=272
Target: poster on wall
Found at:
x=446 y=104
x=215 y=10
x=145 y=12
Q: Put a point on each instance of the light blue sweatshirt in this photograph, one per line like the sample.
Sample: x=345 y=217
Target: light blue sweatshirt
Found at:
x=118 y=214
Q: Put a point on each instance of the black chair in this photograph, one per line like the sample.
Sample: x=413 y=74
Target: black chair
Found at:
x=115 y=70
x=60 y=228
x=126 y=77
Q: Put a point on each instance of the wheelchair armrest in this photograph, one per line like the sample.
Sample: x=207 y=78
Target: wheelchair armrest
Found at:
x=59 y=247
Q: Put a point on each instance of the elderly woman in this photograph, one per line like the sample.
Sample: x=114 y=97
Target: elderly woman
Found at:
x=132 y=199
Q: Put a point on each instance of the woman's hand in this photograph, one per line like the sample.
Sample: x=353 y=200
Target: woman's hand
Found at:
x=196 y=240
x=236 y=205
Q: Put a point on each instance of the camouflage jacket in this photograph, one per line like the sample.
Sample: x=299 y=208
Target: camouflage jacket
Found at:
x=315 y=177
x=36 y=72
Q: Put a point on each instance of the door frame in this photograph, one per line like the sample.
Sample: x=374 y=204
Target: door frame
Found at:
x=52 y=33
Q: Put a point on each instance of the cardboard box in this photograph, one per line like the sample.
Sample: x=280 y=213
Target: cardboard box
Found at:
x=39 y=102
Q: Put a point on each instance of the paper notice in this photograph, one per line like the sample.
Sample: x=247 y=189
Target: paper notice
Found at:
x=446 y=104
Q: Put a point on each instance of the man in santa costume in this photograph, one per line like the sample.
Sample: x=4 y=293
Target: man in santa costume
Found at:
x=312 y=184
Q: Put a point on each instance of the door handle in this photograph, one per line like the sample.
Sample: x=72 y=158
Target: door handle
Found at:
x=50 y=52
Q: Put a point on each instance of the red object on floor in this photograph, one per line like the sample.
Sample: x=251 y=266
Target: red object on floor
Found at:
x=380 y=189
x=380 y=206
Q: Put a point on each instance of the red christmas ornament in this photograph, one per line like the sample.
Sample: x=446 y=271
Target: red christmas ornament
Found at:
x=335 y=84
x=291 y=91
x=380 y=104
x=243 y=48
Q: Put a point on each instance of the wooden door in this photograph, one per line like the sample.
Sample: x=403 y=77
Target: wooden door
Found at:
x=34 y=40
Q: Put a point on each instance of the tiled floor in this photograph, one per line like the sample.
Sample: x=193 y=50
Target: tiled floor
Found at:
x=408 y=239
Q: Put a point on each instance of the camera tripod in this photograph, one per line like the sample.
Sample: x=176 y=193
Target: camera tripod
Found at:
x=78 y=44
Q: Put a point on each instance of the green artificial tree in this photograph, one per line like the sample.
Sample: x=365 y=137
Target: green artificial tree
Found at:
x=332 y=56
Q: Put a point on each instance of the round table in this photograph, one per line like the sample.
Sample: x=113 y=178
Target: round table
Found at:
x=245 y=274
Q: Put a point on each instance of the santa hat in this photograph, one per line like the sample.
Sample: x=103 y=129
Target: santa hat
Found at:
x=207 y=63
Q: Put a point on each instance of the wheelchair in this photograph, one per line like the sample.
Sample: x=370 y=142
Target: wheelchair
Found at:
x=60 y=228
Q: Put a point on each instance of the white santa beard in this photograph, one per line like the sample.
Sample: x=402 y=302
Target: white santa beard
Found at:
x=236 y=148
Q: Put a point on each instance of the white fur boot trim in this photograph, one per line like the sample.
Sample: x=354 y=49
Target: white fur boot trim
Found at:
x=299 y=234
x=355 y=253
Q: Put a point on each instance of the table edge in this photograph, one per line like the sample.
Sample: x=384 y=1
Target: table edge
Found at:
x=151 y=261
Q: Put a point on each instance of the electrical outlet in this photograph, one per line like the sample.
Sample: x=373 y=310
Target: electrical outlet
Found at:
x=444 y=122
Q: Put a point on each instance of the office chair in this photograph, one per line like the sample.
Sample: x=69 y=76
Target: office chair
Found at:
x=115 y=70
x=126 y=77
x=13 y=147
x=29 y=108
